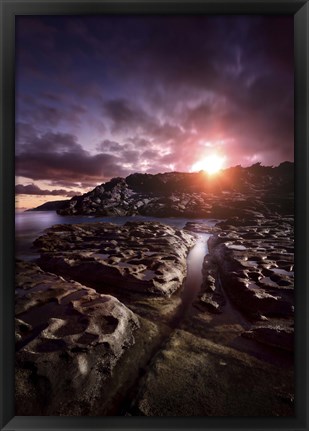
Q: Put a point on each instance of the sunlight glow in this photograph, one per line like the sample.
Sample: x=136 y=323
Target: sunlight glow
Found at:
x=210 y=164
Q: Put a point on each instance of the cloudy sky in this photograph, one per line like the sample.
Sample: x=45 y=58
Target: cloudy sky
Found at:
x=105 y=96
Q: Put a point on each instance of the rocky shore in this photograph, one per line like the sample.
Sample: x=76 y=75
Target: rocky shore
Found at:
x=78 y=348
x=68 y=340
x=252 y=261
x=236 y=344
x=102 y=327
x=234 y=192
x=140 y=257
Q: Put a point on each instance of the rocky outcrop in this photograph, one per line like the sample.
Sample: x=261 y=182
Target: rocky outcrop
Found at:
x=139 y=257
x=210 y=296
x=69 y=338
x=239 y=333
x=234 y=191
x=275 y=336
x=252 y=261
x=51 y=206
x=193 y=376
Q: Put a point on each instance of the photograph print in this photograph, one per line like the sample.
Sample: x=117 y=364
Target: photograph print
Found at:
x=154 y=162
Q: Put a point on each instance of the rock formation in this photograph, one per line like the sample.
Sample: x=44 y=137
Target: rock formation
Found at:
x=51 y=206
x=252 y=261
x=123 y=342
x=68 y=340
x=142 y=257
x=192 y=376
x=233 y=192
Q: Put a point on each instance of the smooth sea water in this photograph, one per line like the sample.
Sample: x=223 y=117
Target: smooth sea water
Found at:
x=30 y=225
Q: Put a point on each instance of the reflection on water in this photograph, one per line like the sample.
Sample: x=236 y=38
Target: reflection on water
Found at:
x=283 y=272
x=30 y=225
x=194 y=277
x=235 y=247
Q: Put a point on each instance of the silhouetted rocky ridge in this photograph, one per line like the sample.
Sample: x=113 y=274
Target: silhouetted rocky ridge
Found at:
x=233 y=191
x=51 y=206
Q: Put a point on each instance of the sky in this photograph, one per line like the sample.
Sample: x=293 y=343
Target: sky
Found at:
x=106 y=96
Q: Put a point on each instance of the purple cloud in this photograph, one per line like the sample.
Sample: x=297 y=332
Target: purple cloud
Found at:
x=105 y=96
x=32 y=189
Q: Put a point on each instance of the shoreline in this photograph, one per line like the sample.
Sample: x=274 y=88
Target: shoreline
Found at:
x=207 y=322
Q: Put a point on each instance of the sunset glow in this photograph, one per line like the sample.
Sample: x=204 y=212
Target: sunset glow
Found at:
x=114 y=95
x=210 y=164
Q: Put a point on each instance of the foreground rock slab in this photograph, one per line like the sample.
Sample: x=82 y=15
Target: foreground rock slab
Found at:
x=192 y=376
x=69 y=338
x=140 y=257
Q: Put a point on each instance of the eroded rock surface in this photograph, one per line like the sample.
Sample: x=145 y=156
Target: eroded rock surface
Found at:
x=234 y=349
x=68 y=340
x=141 y=257
x=192 y=376
x=229 y=356
x=252 y=261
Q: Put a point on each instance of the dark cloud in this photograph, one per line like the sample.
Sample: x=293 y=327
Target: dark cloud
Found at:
x=104 y=96
x=112 y=146
x=150 y=155
x=64 y=183
x=138 y=142
x=68 y=165
x=127 y=116
x=58 y=155
x=24 y=133
x=131 y=156
x=49 y=111
x=32 y=189
x=44 y=115
x=48 y=142
x=52 y=97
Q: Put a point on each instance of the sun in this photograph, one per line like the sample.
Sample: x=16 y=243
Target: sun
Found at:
x=210 y=164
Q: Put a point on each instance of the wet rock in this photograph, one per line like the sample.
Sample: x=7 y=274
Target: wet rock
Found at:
x=212 y=301
x=69 y=338
x=138 y=257
x=279 y=337
x=254 y=268
x=222 y=381
x=210 y=296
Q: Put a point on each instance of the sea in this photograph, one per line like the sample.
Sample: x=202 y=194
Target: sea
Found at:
x=29 y=225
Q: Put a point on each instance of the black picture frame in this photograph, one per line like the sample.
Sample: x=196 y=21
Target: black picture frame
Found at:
x=10 y=9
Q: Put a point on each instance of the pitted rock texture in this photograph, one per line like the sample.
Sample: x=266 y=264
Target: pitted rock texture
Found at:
x=68 y=340
x=232 y=348
x=252 y=261
x=234 y=191
x=141 y=257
